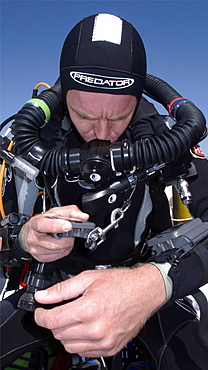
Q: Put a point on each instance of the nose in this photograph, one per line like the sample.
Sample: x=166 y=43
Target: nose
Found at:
x=102 y=130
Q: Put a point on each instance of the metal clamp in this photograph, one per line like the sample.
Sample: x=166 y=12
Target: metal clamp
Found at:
x=98 y=235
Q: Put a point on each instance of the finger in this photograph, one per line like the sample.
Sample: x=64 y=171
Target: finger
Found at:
x=46 y=244
x=83 y=348
x=76 y=326
x=69 y=212
x=68 y=289
x=50 y=257
x=64 y=316
x=94 y=353
x=50 y=249
x=57 y=219
x=45 y=224
x=49 y=242
x=92 y=348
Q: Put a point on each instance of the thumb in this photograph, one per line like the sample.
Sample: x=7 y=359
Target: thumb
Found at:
x=65 y=290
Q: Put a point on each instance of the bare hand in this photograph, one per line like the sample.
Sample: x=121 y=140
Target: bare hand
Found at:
x=35 y=239
x=112 y=307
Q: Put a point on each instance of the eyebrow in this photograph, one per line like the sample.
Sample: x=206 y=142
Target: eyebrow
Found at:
x=94 y=118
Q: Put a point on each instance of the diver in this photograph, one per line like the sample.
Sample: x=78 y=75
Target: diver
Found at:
x=104 y=157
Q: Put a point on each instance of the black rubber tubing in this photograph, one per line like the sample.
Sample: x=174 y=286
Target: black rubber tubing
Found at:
x=189 y=128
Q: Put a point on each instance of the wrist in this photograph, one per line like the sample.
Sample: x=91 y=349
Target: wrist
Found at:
x=16 y=249
x=22 y=238
x=164 y=269
x=152 y=285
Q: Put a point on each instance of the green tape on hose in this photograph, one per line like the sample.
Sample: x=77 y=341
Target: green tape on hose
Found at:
x=40 y=103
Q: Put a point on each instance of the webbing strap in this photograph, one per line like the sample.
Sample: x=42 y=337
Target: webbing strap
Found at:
x=27 y=194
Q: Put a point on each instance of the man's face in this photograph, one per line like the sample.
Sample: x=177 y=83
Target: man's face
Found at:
x=100 y=116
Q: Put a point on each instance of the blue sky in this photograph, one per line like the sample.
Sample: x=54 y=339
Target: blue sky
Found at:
x=175 y=34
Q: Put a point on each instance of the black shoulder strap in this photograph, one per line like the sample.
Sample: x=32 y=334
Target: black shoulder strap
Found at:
x=159 y=219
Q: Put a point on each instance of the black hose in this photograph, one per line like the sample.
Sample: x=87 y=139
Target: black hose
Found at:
x=188 y=130
x=165 y=94
x=4 y=123
x=159 y=90
x=29 y=120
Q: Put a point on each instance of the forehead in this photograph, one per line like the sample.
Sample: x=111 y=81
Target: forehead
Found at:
x=90 y=102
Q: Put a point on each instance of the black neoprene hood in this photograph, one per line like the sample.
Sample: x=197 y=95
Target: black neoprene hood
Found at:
x=103 y=53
